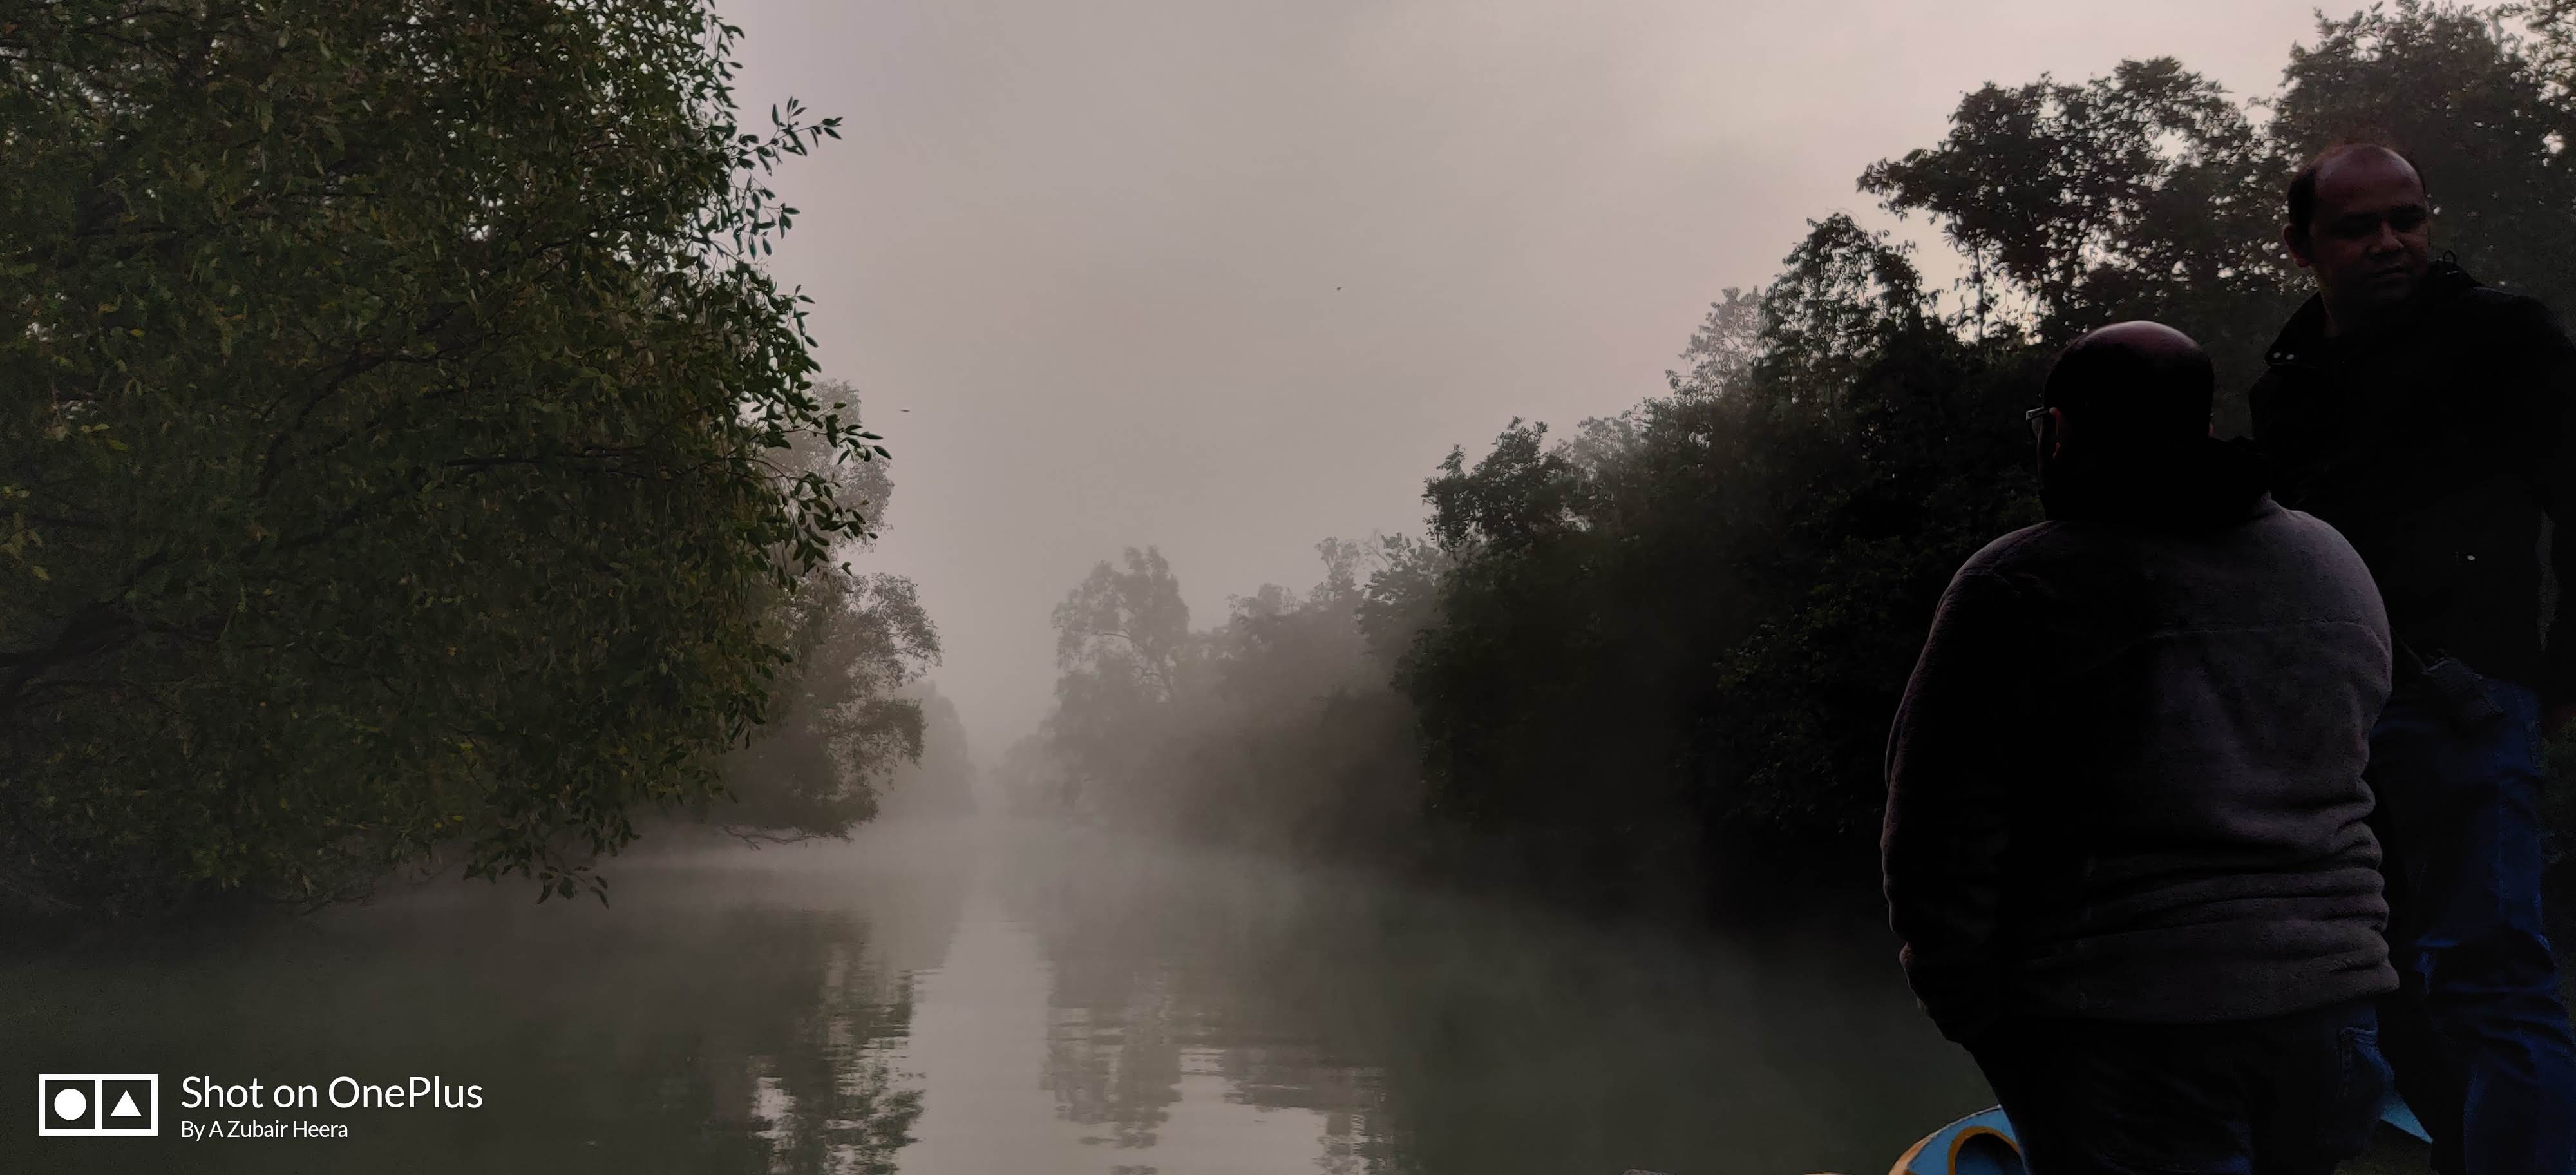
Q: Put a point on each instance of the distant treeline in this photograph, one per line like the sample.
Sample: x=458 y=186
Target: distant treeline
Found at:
x=405 y=460
x=1677 y=635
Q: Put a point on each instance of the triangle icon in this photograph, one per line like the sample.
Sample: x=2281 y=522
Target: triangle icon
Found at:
x=125 y=1108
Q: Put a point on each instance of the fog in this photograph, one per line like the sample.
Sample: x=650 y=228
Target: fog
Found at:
x=1231 y=279
x=1417 y=790
x=962 y=1000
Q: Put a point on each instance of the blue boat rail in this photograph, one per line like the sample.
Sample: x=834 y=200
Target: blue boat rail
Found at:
x=1983 y=1144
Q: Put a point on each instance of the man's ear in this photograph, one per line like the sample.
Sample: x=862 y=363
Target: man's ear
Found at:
x=2296 y=243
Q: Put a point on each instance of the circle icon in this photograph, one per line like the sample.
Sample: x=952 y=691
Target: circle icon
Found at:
x=94 y=1105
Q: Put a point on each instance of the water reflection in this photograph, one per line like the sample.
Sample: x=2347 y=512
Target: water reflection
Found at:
x=1436 y=1035
x=716 y=1019
x=963 y=1002
x=1166 y=971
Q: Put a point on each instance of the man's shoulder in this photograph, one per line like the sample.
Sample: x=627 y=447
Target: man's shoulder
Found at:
x=2017 y=552
x=2503 y=317
x=2042 y=548
x=2038 y=549
x=2308 y=530
x=2499 y=300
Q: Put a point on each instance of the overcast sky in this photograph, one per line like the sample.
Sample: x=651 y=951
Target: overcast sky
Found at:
x=1232 y=277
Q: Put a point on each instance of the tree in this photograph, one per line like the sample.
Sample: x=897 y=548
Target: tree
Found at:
x=1678 y=634
x=1131 y=621
x=1282 y=731
x=1583 y=690
x=1629 y=657
x=845 y=725
x=2484 y=114
x=1722 y=352
x=391 y=422
x=846 y=717
x=940 y=782
x=1032 y=779
x=2151 y=193
x=2145 y=194
x=2552 y=25
x=1124 y=648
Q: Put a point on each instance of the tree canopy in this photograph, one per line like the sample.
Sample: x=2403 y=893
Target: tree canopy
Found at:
x=1674 y=638
x=393 y=418
x=846 y=717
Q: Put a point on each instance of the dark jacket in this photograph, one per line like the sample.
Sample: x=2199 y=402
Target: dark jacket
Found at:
x=2436 y=445
x=2125 y=780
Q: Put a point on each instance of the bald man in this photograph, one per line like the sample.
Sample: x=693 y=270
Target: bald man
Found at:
x=2427 y=417
x=2125 y=843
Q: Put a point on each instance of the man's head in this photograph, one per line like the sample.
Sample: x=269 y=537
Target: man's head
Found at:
x=2128 y=390
x=2359 y=220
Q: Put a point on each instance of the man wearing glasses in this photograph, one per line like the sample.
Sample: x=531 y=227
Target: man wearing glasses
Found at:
x=2426 y=417
x=2125 y=844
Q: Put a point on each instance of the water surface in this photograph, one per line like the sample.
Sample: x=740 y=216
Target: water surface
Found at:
x=976 y=999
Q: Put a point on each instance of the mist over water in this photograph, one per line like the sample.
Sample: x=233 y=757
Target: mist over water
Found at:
x=988 y=997
x=433 y=447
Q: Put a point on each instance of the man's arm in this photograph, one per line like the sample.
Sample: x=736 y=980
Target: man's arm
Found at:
x=2547 y=369
x=1953 y=762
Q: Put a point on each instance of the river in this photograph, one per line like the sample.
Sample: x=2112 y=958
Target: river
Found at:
x=980 y=999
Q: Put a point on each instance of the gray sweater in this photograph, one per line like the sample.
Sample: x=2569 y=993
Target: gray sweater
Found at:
x=2125 y=780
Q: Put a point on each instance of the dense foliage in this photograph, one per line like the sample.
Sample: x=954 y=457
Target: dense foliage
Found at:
x=846 y=714
x=1275 y=726
x=388 y=413
x=1679 y=633
x=940 y=783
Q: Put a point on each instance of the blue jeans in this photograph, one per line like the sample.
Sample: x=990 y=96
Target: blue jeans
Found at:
x=2477 y=1031
x=2286 y=1095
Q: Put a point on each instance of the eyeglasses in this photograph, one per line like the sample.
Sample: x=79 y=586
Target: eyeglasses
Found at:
x=2405 y=218
x=2038 y=421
